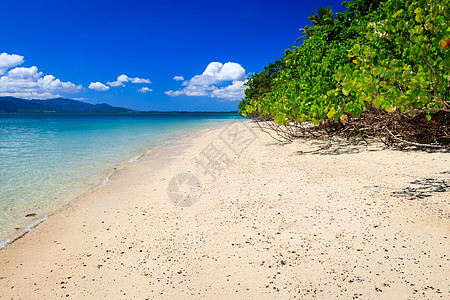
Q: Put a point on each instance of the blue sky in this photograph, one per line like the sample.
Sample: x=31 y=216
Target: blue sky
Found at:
x=80 y=49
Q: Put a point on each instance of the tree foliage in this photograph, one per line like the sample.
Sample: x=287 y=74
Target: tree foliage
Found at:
x=378 y=65
x=323 y=16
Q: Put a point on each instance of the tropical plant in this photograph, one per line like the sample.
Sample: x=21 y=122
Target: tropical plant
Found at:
x=323 y=16
x=403 y=67
x=382 y=66
x=404 y=63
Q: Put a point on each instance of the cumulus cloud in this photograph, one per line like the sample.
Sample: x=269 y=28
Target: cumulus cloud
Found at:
x=124 y=78
x=145 y=90
x=178 y=78
x=174 y=93
x=235 y=91
x=98 y=86
x=139 y=80
x=216 y=72
x=214 y=82
x=29 y=83
x=8 y=61
x=119 y=82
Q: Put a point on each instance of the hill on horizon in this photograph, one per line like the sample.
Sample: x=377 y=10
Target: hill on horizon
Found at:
x=12 y=104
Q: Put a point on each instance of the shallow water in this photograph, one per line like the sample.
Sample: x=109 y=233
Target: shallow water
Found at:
x=47 y=160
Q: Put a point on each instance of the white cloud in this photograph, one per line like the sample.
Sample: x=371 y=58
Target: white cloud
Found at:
x=145 y=90
x=139 y=80
x=30 y=95
x=178 y=78
x=212 y=82
x=119 y=82
x=8 y=61
x=124 y=78
x=230 y=92
x=98 y=86
x=29 y=83
x=174 y=93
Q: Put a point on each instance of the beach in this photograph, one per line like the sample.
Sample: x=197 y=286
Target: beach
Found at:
x=230 y=213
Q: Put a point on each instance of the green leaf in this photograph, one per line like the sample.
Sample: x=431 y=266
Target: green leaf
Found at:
x=446 y=60
x=331 y=113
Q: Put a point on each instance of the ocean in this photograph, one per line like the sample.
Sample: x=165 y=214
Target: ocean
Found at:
x=47 y=160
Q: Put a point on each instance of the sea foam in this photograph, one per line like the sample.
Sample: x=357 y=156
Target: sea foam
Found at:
x=27 y=228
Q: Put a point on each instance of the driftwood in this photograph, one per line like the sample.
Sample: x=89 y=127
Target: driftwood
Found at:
x=394 y=129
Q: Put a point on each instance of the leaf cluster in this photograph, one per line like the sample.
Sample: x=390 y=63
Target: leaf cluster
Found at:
x=389 y=56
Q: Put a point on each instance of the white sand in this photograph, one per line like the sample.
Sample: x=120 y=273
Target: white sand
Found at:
x=293 y=221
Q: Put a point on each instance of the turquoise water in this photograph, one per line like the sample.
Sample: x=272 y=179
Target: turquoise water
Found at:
x=46 y=160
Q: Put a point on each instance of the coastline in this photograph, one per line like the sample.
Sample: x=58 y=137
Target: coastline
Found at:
x=115 y=168
x=296 y=220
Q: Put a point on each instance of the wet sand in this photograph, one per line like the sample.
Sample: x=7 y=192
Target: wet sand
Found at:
x=232 y=214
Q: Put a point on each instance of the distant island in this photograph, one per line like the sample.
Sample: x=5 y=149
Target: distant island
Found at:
x=59 y=105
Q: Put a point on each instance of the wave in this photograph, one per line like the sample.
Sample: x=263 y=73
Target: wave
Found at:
x=134 y=159
x=102 y=184
x=27 y=228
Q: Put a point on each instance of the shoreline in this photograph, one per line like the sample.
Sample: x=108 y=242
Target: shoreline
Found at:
x=276 y=221
x=100 y=184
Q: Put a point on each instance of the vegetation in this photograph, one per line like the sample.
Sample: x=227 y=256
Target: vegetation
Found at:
x=382 y=67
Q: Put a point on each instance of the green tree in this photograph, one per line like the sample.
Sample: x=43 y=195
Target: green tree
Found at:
x=403 y=64
x=323 y=16
x=380 y=61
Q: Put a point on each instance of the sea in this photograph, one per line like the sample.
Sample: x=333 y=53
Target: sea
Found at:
x=47 y=160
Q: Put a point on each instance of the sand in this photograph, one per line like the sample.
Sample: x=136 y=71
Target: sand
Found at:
x=229 y=213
